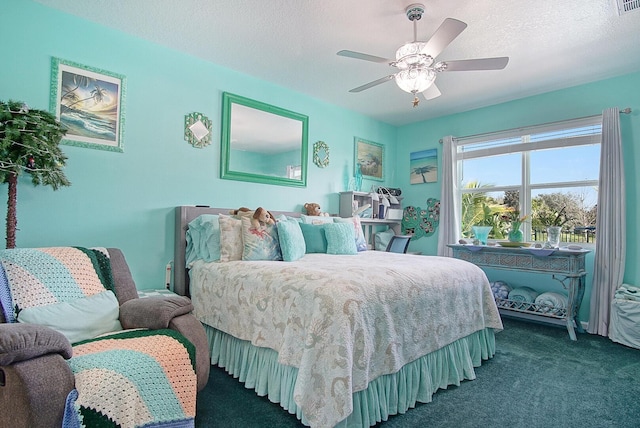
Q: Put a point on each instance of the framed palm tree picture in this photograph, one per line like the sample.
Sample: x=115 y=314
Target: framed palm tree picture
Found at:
x=89 y=103
x=424 y=166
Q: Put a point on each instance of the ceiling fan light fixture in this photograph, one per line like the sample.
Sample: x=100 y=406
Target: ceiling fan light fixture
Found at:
x=409 y=55
x=440 y=66
x=415 y=79
x=415 y=61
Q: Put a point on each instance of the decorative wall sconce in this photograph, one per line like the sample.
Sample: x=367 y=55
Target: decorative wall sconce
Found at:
x=197 y=129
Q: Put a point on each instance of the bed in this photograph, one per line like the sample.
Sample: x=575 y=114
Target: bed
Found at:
x=341 y=340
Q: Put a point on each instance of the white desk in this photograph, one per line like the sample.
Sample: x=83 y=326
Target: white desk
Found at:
x=370 y=224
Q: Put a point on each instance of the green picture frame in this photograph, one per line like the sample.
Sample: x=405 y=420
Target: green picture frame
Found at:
x=89 y=103
x=370 y=156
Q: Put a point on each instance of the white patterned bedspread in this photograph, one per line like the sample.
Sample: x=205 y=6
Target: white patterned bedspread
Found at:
x=344 y=320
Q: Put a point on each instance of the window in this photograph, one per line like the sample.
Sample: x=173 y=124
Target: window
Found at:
x=294 y=172
x=547 y=172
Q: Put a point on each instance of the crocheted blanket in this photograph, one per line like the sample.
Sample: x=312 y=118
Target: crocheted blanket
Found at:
x=133 y=378
x=45 y=276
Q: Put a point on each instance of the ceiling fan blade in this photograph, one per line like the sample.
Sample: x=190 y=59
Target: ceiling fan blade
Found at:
x=366 y=57
x=374 y=83
x=431 y=92
x=446 y=32
x=477 y=64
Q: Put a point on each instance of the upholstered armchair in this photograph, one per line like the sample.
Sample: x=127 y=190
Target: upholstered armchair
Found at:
x=40 y=369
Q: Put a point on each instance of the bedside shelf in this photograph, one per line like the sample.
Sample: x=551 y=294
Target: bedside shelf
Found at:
x=349 y=199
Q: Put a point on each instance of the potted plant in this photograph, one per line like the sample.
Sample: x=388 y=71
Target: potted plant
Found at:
x=29 y=141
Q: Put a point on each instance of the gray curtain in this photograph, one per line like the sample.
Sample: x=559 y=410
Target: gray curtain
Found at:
x=611 y=242
x=448 y=231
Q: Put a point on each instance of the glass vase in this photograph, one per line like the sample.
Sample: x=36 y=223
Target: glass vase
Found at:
x=481 y=233
x=515 y=234
x=358 y=178
x=553 y=236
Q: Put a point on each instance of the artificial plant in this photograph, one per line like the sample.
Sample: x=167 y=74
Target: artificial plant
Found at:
x=29 y=141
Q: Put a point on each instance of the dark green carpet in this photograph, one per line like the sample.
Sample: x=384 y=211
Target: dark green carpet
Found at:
x=538 y=378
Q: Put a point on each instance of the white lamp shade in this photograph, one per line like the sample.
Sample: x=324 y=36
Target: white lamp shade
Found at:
x=409 y=55
x=415 y=79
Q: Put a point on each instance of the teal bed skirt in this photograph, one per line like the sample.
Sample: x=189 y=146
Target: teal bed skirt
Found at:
x=258 y=368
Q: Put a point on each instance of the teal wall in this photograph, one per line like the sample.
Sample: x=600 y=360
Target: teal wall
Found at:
x=578 y=101
x=127 y=199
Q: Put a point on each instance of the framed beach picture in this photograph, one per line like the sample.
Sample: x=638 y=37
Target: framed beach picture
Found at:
x=89 y=103
x=424 y=166
x=370 y=157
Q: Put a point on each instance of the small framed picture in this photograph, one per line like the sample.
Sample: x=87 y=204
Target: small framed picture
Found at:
x=370 y=157
x=424 y=166
x=89 y=103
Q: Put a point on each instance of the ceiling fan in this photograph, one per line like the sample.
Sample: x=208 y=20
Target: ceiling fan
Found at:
x=415 y=61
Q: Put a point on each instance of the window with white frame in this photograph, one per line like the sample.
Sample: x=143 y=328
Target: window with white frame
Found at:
x=548 y=173
x=294 y=172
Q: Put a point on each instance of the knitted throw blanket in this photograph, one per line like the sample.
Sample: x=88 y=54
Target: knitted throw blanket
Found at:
x=134 y=378
x=45 y=276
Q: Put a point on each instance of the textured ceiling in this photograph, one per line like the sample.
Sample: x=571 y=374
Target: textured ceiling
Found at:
x=551 y=44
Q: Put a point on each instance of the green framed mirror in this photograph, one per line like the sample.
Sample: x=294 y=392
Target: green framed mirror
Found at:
x=262 y=143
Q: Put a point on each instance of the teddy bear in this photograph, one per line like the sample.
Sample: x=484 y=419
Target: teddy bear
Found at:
x=240 y=211
x=262 y=218
x=314 y=209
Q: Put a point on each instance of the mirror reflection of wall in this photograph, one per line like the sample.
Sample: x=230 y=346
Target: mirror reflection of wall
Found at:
x=263 y=143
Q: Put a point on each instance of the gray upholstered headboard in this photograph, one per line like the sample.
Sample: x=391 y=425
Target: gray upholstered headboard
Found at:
x=184 y=214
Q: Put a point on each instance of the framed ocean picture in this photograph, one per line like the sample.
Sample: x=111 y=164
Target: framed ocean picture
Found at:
x=89 y=103
x=424 y=166
x=370 y=157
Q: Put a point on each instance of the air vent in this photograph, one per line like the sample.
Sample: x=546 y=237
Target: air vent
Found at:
x=626 y=6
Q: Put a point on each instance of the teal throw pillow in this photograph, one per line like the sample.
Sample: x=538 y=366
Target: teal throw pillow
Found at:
x=382 y=239
x=361 y=243
x=314 y=237
x=341 y=238
x=291 y=240
x=203 y=239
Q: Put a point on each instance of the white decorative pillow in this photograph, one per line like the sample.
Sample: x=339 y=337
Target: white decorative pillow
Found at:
x=231 y=244
x=316 y=219
x=79 y=319
x=260 y=243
